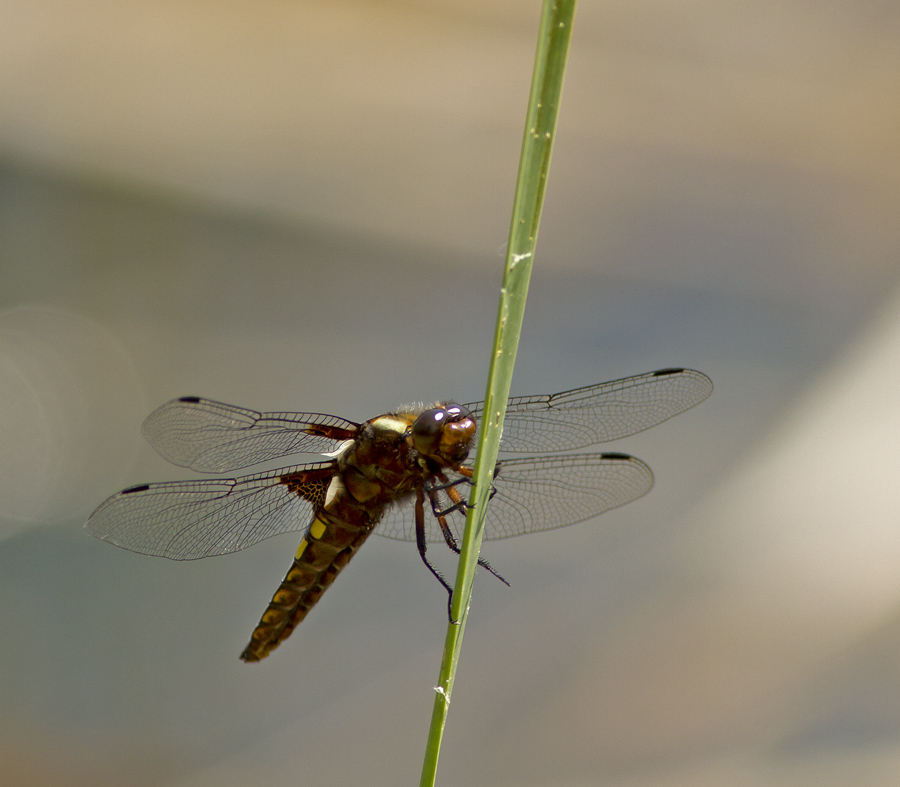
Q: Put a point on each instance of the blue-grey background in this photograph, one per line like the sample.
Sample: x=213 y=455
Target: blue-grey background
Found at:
x=304 y=207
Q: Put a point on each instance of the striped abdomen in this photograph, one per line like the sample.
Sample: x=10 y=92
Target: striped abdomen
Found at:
x=326 y=549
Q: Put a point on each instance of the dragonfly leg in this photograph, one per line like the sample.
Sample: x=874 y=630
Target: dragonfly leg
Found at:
x=459 y=502
x=462 y=506
x=449 y=538
x=446 y=484
x=421 y=544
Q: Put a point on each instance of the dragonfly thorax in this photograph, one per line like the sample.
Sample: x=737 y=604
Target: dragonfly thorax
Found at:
x=379 y=465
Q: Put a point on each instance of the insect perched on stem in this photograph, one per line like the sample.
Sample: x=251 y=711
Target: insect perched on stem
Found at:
x=401 y=475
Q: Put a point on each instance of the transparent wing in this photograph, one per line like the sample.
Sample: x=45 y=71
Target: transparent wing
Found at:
x=598 y=413
x=211 y=437
x=538 y=493
x=185 y=520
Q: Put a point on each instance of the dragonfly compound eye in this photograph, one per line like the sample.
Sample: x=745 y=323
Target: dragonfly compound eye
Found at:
x=427 y=430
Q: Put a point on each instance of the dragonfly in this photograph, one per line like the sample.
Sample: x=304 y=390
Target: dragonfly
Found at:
x=403 y=475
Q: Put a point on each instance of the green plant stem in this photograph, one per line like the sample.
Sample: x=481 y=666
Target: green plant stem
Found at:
x=534 y=164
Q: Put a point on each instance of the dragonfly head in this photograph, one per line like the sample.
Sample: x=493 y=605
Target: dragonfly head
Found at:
x=445 y=433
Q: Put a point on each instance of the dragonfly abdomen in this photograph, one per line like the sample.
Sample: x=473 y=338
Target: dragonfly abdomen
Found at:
x=326 y=549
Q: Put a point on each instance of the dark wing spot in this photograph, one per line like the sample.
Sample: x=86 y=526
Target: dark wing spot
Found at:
x=190 y=399
x=138 y=488
x=615 y=455
x=666 y=372
x=312 y=485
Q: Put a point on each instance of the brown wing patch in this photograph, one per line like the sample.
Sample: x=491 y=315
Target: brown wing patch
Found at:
x=311 y=485
x=332 y=432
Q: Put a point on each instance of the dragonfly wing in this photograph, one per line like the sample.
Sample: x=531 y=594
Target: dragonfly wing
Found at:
x=598 y=413
x=211 y=437
x=538 y=493
x=185 y=520
x=545 y=493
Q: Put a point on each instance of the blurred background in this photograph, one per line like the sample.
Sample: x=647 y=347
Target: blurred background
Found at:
x=304 y=206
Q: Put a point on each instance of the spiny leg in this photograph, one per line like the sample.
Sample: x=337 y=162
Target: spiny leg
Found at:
x=459 y=504
x=421 y=544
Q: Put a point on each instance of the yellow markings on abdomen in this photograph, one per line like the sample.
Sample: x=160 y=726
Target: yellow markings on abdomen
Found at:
x=313 y=570
x=316 y=530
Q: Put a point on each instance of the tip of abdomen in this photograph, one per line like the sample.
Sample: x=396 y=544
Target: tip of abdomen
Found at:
x=252 y=654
